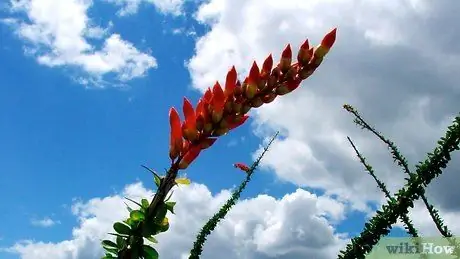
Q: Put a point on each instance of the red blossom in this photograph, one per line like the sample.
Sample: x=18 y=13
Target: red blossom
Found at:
x=242 y=167
x=175 y=143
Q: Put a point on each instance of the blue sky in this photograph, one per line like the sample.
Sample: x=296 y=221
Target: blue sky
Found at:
x=74 y=130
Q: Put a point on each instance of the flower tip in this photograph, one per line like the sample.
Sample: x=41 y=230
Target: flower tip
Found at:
x=287 y=52
x=305 y=45
x=329 y=39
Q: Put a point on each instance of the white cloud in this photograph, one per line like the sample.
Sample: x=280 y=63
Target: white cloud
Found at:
x=399 y=71
x=128 y=7
x=44 y=222
x=57 y=33
x=294 y=226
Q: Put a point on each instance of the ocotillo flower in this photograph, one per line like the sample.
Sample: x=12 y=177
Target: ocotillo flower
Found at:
x=241 y=166
x=189 y=128
x=175 y=142
x=219 y=110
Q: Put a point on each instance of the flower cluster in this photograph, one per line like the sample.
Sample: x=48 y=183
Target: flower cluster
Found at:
x=222 y=109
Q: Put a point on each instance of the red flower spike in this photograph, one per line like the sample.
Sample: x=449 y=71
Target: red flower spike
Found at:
x=238 y=90
x=304 y=55
x=230 y=81
x=267 y=67
x=220 y=132
x=207 y=97
x=189 y=129
x=256 y=102
x=189 y=133
x=238 y=123
x=191 y=155
x=254 y=74
x=269 y=98
x=218 y=97
x=207 y=142
x=329 y=39
x=325 y=46
x=242 y=167
x=282 y=89
x=252 y=81
x=189 y=112
x=305 y=45
x=292 y=85
x=236 y=107
x=286 y=58
x=199 y=122
x=185 y=146
x=199 y=107
x=175 y=144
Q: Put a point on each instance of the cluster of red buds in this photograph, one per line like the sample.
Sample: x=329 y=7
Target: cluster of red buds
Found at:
x=220 y=110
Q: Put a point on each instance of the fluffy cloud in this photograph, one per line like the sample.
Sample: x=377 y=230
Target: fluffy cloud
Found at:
x=44 y=222
x=128 y=7
x=297 y=225
x=58 y=33
x=395 y=61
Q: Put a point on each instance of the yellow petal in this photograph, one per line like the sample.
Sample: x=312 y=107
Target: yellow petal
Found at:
x=183 y=181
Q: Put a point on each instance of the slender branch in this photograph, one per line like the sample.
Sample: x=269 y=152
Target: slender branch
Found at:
x=212 y=223
x=402 y=162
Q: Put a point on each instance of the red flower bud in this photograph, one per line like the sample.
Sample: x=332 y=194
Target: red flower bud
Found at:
x=218 y=97
x=242 y=167
x=286 y=58
x=175 y=142
x=191 y=155
x=304 y=54
x=238 y=122
x=329 y=39
x=207 y=142
x=267 y=67
x=230 y=81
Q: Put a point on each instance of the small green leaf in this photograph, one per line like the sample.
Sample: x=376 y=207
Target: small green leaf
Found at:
x=145 y=203
x=156 y=177
x=183 y=180
x=136 y=215
x=150 y=252
x=118 y=235
x=108 y=243
x=121 y=242
x=122 y=228
x=169 y=197
x=157 y=180
x=170 y=206
x=111 y=249
x=135 y=202
x=152 y=239
x=127 y=207
x=162 y=210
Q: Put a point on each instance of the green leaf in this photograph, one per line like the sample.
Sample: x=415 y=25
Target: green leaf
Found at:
x=156 y=177
x=108 y=256
x=127 y=207
x=111 y=249
x=152 y=239
x=122 y=228
x=157 y=180
x=118 y=235
x=169 y=197
x=145 y=204
x=135 y=202
x=108 y=243
x=170 y=206
x=150 y=252
x=121 y=242
x=162 y=210
x=137 y=215
x=183 y=180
